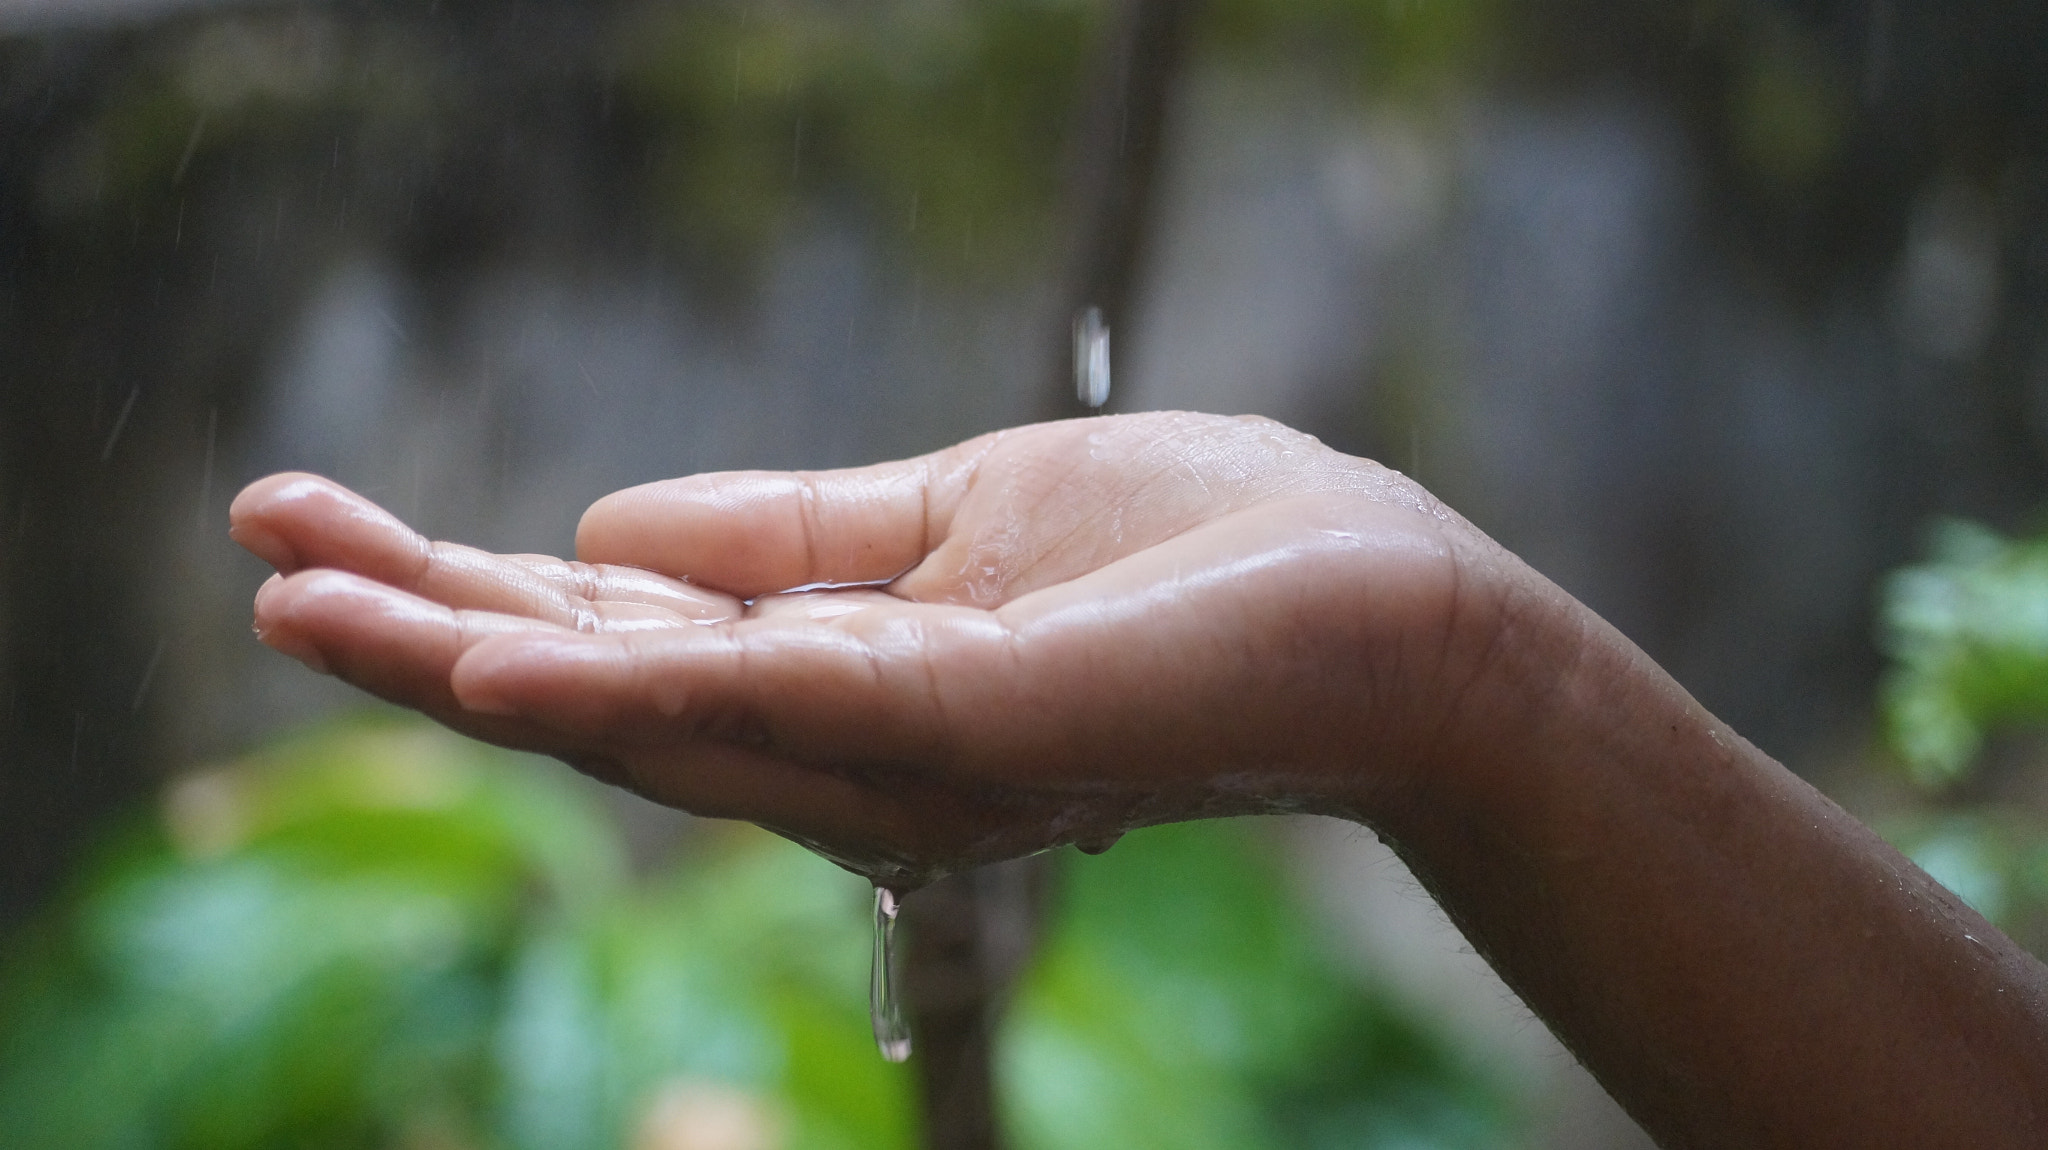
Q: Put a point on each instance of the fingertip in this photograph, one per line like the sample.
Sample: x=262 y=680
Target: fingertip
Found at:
x=246 y=526
x=651 y=525
x=289 y=642
x=750 y=533
x=295 y=520
x=614 y=523
x=483 y=699
x=700 y=527
x=274 y=626
x=267 y=594
x=281 y=595
x=477 y=677
x=500 y=674
x=590 y=527
x=250 y=499
x=250 y=516
x=270 y=604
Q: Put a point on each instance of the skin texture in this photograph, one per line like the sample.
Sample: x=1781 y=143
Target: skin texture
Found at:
x=1052 y=634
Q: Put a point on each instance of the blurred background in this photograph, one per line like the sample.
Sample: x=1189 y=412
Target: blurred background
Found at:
x=1727 y=315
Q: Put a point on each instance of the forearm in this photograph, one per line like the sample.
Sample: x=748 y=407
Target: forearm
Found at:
x=1739 y=961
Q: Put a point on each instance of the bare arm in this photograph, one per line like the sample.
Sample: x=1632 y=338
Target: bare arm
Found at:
x=1077 y=628
x=1738 y=960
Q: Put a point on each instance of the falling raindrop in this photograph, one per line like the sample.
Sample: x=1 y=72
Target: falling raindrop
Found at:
x=120 y=423
x=1091 y=357
x=148 y=673
x=191 y=149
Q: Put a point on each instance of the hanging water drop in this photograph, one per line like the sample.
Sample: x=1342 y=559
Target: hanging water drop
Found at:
x=885 y=1010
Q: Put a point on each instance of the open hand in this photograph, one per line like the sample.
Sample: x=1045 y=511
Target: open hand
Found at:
x=1040 y=636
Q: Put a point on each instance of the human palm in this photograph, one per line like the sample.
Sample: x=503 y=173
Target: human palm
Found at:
x=1040 y=636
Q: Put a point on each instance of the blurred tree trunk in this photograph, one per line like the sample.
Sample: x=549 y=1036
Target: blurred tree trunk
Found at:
x=968 y=938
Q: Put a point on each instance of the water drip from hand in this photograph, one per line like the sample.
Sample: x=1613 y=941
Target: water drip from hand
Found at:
x=885 y=1007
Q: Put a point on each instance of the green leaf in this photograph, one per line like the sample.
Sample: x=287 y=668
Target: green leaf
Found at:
x=1968 y=636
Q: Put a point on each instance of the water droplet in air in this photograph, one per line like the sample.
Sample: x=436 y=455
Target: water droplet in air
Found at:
x=1091 y=357
x=885 y=1010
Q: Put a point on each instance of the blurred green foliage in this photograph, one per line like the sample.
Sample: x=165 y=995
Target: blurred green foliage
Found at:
x=381 y=935
x=1967 y=632
x=1182 y=1001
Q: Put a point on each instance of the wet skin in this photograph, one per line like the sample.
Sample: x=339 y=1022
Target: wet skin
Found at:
x=1071 y=629
x=1039 y=630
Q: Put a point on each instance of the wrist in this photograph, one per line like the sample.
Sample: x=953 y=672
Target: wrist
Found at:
x=1534 y=687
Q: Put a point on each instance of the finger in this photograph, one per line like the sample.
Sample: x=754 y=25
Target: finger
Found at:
x=828 y=738
x=1125 y=673
x=400 y=648
x=755 y=532
x=296 y=521
x=393 y=644
x=865 y=690
x=954 y=690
